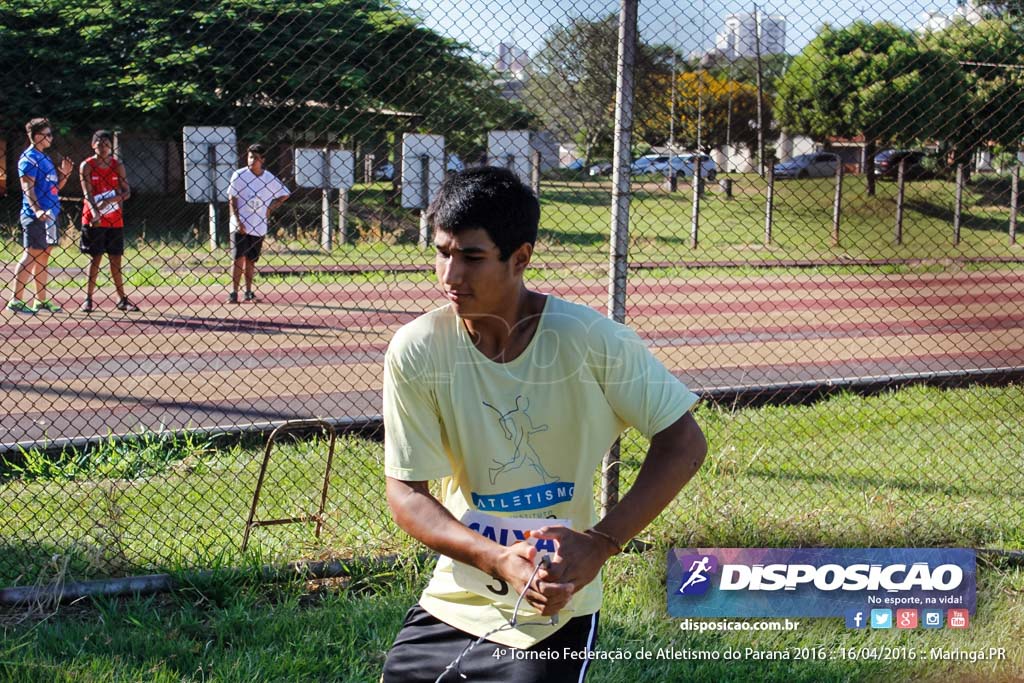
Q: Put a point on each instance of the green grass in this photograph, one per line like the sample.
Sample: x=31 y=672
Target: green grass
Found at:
x=167 y=242
x=918 y=467
x=231 y=629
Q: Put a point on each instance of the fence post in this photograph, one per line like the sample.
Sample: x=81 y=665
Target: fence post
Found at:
x=424 y=198
x=211 y=157
x=342 y=215
x=695 y=213
x=837 y=205
x=900 y=177
x=1014 y=204
x=535 y=172
x=368 y=162
x=619 y=243
x=958 y=209
x=726 y=185
x=769 y=207
x=326 y=241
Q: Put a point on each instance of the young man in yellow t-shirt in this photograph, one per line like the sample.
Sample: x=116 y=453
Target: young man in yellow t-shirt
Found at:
x=511 y=397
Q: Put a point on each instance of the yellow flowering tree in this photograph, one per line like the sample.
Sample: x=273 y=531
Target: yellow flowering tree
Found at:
x=724 y=109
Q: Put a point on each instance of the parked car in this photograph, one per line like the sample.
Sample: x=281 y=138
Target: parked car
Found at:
x=649 y=163
x=816 y=165
x=685 y=163
x=682 y=163
x=887 y=164
x=603 y=168
x=575 y=165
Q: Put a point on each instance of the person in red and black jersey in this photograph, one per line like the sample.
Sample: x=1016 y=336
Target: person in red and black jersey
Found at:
x=105 y=187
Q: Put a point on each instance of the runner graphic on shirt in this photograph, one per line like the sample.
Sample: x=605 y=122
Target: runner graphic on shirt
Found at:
x=518 y=427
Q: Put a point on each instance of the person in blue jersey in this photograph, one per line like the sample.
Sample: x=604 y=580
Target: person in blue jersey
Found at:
x=41 y=182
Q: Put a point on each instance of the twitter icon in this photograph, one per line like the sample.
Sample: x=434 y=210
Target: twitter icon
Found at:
x=881 y=618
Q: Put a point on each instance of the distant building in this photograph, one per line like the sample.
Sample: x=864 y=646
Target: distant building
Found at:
x=511 y=59
x=971 y=11
x=511 y=65
x=739 y=37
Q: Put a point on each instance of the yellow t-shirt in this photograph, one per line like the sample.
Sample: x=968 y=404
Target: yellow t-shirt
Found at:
x=519 y=439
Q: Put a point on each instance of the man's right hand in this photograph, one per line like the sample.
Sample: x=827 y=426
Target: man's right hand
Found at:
x=517 y=565
x=42 y=214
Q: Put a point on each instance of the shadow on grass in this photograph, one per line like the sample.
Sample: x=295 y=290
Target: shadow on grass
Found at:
x=869 y=483
x=225 y=628
x=577 y=239
x=994 y=191
x=26 y=562
x=945 y=213
x=577 y=197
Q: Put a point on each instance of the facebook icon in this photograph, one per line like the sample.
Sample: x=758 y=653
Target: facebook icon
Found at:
x=856 y=618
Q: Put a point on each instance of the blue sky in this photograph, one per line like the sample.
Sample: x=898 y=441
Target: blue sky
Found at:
x=689 y=25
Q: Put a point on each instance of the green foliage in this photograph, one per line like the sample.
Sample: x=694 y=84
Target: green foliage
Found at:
x=872 y=80
x=328 y=67
x=146 y=455
x=744 y=69
x=572 y=81
x=991 y=56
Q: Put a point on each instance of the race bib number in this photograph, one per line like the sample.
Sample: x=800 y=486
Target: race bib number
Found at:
x=506 y=531
x=109 y=208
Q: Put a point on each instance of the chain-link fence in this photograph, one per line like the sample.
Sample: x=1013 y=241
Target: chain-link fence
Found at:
x=819 y=195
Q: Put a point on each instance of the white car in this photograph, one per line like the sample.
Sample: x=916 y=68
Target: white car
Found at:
x=649 y=163
x=816 y=165
x=683 y=164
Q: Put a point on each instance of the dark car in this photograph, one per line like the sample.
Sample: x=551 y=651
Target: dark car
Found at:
x=887 y=164
x=813 y=165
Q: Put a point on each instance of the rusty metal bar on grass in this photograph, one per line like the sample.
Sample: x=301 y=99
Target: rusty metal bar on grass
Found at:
x=286 y=428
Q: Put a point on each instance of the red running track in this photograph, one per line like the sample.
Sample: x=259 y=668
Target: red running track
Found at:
x=190 y=360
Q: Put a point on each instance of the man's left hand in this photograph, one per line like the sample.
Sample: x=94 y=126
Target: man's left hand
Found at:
x=578 y=556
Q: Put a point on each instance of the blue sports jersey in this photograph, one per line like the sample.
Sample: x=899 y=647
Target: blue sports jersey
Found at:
x=38 y=166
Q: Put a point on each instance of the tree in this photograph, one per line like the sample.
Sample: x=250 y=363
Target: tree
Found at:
x=572 y=81
x=744 y=69
x=326 y=66
x=726 y=110
x=875 y=81
x=44 y=72
x=1012 y=9
x=991 y=56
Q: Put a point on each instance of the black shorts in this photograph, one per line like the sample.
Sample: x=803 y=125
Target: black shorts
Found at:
x=248 y=246
x=426 y=645
x=97 y=241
